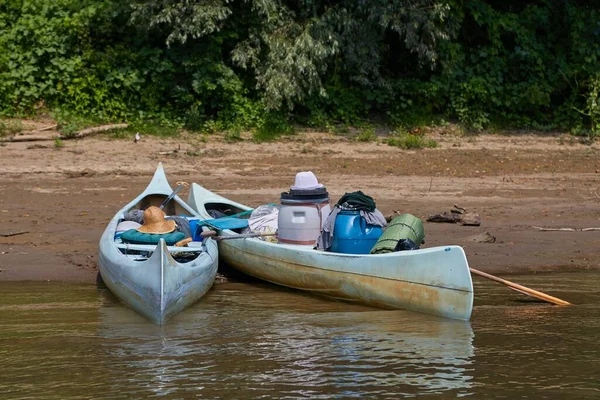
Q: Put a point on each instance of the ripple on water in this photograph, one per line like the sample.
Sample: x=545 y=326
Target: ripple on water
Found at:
x=241 y=341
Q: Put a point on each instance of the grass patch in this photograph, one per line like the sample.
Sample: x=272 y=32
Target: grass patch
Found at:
x=232 y=136
x=9 y=128
x=155 y=129
x=367 y=135
x=273 y=127
x=69 y=124
x=407 y=141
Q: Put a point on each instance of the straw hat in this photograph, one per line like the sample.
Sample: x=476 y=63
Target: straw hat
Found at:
x=306 y=181
x=155 y=223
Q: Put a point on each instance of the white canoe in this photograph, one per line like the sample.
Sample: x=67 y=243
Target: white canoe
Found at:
x=432 y=280
x=158 y=281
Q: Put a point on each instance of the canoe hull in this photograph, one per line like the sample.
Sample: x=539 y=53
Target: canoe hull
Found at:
x=434 y=281
x=418 y=290
x=158 y=286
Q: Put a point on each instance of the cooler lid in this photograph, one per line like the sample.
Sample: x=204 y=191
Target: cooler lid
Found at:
x=312 y=194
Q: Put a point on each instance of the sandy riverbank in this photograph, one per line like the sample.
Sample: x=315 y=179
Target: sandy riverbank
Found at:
x=64 y=197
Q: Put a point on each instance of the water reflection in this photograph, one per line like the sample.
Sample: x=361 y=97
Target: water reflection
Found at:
x=66 y=341
x=251 y=341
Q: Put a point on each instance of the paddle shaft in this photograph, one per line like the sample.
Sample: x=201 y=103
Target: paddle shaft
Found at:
x=521 y=288
x=212 y=235
x=168 y=199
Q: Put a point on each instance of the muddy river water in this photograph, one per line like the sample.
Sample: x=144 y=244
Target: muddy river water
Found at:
x=255 y=340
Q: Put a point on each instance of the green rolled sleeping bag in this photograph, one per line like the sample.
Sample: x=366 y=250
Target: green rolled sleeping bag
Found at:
x=405 y=226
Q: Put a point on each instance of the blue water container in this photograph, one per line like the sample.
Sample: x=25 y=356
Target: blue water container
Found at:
x=196 y=228
x=352 y=234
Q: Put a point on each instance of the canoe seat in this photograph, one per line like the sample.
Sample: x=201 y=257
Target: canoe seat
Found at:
x=135 y=237
x=152 y=247
x=225 y=223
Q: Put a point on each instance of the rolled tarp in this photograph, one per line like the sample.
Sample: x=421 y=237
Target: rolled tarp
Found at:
x=405 y=226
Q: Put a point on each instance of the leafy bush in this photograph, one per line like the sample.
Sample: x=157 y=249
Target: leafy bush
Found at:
x=263 y=66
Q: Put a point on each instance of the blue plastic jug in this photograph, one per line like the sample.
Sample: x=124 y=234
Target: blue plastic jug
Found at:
x=352 y=234
x=196 y=228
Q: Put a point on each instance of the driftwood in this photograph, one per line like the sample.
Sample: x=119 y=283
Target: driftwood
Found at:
x=445 y=217
x=458 y=210
x=27 y=138
x=96 y=129
x=565 y=229
x=482 y=238
x=470 y=219
x=13 y=234
x=76 y=135
x=46 y=128
x=457 y=214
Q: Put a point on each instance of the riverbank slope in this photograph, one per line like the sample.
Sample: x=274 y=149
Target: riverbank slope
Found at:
x=62 y=197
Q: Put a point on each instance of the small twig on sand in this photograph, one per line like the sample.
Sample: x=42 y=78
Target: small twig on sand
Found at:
x=45 y=128
x=430 y=183
x=554 y=229
x=13 y=234
x=566 y=229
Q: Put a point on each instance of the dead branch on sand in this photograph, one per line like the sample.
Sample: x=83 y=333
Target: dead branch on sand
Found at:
x=13 y=234
x=45 y=128
x=484 y=237
x=77 y=135
x=96 y=129
x=457 y=214
x=565 y=229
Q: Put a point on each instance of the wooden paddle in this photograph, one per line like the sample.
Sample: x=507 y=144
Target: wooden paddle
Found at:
x=213 y=235
x=522 y=289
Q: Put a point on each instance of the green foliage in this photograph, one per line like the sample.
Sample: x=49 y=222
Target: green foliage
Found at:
x=592 y=107
x=264 y=65
x=518 y=63
x=272 y=127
